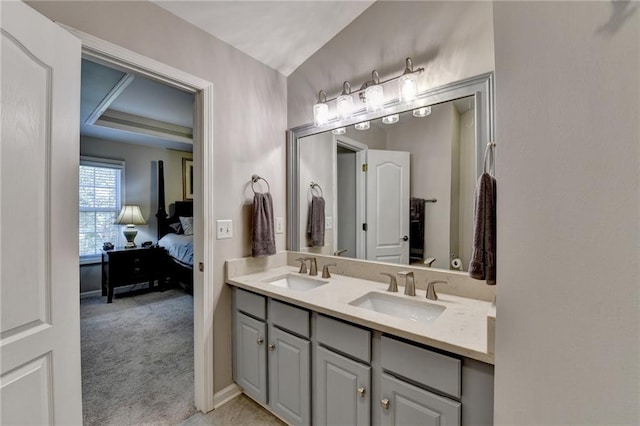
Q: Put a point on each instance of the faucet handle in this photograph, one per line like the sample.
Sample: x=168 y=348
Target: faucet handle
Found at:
x=303 y=265
x=393 y=284
x=340 y=252
x=431 y=289
x=325 y=270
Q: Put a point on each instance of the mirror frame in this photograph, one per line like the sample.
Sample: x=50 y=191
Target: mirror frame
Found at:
x=481 y=87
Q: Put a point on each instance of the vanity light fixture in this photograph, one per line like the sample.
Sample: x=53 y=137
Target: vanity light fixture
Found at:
x=339 y=131
x=422 y=112
x=362 y=126
x=321 y=110
x=344 y=103
x=391 y=119
x=408 y=83
x=371 y=93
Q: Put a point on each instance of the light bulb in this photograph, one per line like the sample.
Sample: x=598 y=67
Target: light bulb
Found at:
x=375 y=97
x=339 y=131
x=320 y=114
x=390 y=119
x=422 y=112
x=408 y=86
x=362 y=126
x=344 y=105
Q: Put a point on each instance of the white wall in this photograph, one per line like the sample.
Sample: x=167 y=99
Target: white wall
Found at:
x=249 y=122
x=316 y=165
x=452 y=40
x=568 y=114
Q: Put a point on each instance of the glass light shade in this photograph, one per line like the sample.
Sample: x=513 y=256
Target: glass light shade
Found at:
x=339 y=131
x=408 y=87
x=362 y=126
x=344 y=105
x=375 y=97
x=390 y=119
x=320 y=114
x=422 y=112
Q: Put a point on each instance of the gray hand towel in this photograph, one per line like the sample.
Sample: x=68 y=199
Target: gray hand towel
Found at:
x=483 y=258
x=264 y=241
x=315 y=224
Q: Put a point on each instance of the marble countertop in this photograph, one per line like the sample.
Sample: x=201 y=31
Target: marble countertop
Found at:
x=461 y=329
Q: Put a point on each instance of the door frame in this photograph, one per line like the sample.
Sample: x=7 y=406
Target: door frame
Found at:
x=107 y=53
x=360 y=150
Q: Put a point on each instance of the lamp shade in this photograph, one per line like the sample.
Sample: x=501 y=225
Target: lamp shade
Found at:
x=130 y=215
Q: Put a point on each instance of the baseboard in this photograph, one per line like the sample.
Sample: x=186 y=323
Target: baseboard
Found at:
x=123 y=289
x=225 y=395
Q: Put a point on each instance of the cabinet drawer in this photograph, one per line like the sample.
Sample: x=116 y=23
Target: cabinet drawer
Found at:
x=421 y=365
x=289 y=318
x=251 y=303
x=345 y=338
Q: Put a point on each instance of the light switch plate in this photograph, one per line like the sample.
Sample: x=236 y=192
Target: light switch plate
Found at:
x=279 y=225
x=224 y=229
x=328 y=223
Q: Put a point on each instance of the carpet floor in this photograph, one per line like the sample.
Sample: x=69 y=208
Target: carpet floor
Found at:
x=137 y=359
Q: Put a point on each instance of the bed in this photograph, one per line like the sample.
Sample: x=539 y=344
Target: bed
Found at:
x=177 y=244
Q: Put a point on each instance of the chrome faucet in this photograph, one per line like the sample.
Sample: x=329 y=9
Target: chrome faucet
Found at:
x=393 y=284
x=313 y=265
x=303 y=265
x=431 y=289
x=410 y=283
x=325 y=270
x=340 y=252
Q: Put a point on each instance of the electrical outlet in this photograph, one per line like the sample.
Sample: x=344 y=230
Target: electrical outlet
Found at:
x=279 y=225
x=328 y=223
x=224 y=229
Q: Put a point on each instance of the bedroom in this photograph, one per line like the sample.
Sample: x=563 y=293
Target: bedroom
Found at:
x=135 y=150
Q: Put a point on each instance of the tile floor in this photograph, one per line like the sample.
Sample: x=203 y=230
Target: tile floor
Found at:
x=239 y=411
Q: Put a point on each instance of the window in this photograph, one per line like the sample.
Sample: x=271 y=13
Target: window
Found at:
x=100 y=202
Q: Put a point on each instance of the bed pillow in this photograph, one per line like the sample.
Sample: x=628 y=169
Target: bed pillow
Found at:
x=187 y=225
x=177 y=227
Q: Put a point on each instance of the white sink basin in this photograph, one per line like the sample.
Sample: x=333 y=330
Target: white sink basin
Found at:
x=414 y=310
x=296 y=282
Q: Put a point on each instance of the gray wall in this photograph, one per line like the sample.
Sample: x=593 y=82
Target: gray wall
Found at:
x=249 y=122
x=568 y=108
x=140 y=187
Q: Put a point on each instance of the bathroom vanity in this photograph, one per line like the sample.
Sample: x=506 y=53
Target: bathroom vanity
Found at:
x=343 y=350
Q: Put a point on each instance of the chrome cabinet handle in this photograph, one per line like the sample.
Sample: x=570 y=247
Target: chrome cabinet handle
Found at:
x=385 y=404
x=260 y=340
x=272 y=347
x=361 y=391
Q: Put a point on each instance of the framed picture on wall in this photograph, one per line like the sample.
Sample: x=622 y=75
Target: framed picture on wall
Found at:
x=187 y=179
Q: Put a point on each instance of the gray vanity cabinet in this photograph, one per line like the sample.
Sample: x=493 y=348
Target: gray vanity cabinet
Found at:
x=405 y=404
x=342 y=390
x=289 y=376
x=251 y=356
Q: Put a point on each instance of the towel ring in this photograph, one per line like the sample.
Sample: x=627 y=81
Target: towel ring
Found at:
x=313 y=186
x=256 y=178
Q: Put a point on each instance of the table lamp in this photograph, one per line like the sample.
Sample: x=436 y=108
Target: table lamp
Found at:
x=130 y=216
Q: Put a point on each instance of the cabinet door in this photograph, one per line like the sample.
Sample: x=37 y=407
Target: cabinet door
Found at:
x=251 y=356
x=289 y=374
x=405 y=404
x=342 y=391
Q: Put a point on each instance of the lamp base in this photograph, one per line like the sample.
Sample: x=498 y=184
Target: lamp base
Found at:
x=130 y=233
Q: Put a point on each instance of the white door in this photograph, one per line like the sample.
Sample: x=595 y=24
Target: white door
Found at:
x=40 y=380
x=388 y=206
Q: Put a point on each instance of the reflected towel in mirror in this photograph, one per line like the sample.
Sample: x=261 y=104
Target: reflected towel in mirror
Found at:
x=315 y=224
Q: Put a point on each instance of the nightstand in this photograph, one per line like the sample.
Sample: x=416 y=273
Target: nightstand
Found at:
x=122 y=266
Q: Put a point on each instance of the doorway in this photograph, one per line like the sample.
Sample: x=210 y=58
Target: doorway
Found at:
x=99 y=51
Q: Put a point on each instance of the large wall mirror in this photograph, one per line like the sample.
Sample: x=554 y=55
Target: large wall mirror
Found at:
x=398 y=185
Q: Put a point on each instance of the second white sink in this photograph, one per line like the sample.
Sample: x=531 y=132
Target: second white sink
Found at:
x=414 y=310
x=296 y=282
